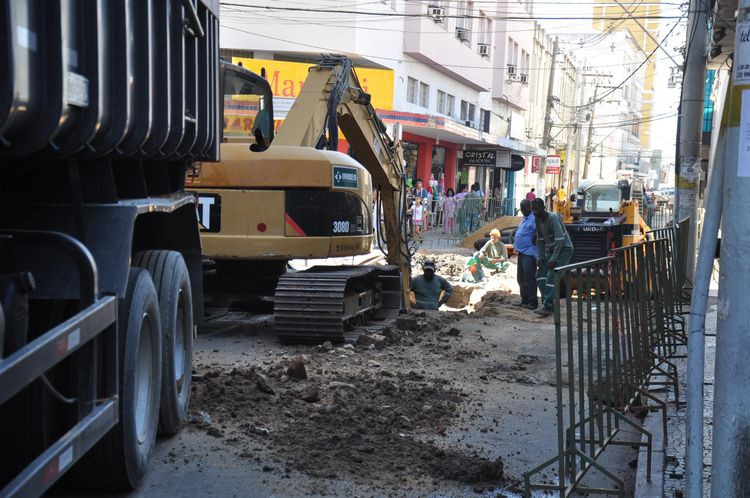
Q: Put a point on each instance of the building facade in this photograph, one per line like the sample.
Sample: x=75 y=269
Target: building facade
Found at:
x=448 y=76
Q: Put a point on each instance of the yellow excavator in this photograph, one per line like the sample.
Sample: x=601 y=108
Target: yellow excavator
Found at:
x=292 y=196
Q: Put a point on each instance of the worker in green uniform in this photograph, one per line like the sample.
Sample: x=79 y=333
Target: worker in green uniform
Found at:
x=473 y=273
x=554 y=249
x=428 y=287
x=493 y=254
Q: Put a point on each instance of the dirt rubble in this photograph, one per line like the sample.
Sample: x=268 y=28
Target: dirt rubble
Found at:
x=456 y=402
x=354 y=416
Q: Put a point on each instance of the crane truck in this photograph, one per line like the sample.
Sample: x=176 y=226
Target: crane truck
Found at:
x=104 y=106
x=273 y=199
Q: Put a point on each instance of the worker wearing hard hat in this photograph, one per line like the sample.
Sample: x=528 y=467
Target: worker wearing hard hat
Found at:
x=493 y=254
x=473 y=273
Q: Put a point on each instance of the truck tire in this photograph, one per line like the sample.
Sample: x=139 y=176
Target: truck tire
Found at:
x=172 y=282
x=120 y=460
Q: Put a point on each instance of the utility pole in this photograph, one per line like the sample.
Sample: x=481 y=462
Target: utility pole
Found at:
x=587 y=162
x=579 y=135
x=687 y=174
x=730 y=459
x=547 y=139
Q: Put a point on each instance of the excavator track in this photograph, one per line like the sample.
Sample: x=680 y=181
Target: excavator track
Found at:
x=325 y=303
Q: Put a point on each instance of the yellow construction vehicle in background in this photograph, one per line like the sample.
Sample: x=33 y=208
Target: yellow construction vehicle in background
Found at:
x=588 y=222
x=270 y=200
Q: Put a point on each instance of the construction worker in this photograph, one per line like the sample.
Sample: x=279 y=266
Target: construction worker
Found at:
x=428 y=287
x=473 y=273
x=554 y=248
x=493 y=254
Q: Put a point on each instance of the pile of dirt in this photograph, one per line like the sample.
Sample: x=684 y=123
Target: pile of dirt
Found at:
x=448 y=264
x=333 y=425
x=492 y=301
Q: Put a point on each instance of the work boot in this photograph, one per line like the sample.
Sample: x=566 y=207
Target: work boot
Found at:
x=544 y=312
x=521 y=304
x=531 y=307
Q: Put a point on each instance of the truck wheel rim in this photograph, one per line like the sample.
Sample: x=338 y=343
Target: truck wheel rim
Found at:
x=179 y=341
x=143 y=379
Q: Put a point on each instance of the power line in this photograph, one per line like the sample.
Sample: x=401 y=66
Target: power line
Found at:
x=456 y=16
x=618 y=86
x=394 y=59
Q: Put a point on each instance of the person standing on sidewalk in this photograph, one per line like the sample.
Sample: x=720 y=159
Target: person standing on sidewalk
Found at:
x=525 y=245
x=554 y=249
x=531 y=195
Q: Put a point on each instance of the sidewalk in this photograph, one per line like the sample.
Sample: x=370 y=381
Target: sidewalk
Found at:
x=668 y=468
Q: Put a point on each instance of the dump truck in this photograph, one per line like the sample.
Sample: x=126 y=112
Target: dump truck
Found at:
x=104 y=107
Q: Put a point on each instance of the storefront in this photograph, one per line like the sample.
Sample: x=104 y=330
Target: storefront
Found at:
x=430 y=159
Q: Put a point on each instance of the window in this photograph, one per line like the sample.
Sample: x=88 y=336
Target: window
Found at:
x=636 y=127
x=247 y=108
x=464 y=13
x=441 y=102
x=467 y=111
x=522 y=68
x=411 y=90
x=424 y=95
x=485 y=29
x=484 y=118
x=450 y=108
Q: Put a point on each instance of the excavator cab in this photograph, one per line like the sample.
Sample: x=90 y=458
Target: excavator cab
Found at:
x=247 y=108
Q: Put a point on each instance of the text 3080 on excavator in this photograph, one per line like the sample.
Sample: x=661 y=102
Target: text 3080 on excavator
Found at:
x=273 y=199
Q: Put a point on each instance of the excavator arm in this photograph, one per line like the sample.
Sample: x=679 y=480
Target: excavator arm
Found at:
x=332 y=99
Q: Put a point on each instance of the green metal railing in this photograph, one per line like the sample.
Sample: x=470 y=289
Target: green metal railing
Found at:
x=617 y=328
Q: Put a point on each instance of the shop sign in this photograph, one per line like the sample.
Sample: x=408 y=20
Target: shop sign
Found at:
x=288 y=78
x=536 y=164
x=517 y=163
x=479 y=158
x=552 y=165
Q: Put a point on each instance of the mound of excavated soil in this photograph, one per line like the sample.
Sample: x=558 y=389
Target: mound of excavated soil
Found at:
x=348 y=425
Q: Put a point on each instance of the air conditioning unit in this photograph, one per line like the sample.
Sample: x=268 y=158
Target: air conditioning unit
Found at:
x=462 y=34
x=483 y=49
x=511 y=69
x=524 y=78
x=436 y=12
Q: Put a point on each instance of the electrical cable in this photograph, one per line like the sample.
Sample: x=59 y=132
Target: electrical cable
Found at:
x=393 y=59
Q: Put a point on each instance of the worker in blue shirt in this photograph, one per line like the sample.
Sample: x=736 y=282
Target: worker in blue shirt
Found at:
x=525 y=245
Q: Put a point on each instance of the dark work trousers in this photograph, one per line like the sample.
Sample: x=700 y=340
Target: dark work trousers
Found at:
x=526 y=276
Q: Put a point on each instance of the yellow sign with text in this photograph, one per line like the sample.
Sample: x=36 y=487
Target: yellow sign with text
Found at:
x=288 y=78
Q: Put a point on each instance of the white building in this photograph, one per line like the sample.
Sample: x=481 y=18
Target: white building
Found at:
x=455 y=75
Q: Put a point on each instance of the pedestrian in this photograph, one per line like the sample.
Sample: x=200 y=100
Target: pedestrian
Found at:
x=493 y=254
x=430 y=290
x=418 y=216
x=525 y=245
x=449 y=212
x=561 y=193
x=419 y=190
x=531 y=195
x=473 y=208
x=473 y=273
x=554 y=249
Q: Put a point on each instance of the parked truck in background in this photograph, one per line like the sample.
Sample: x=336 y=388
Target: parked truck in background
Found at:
x=103 y=108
